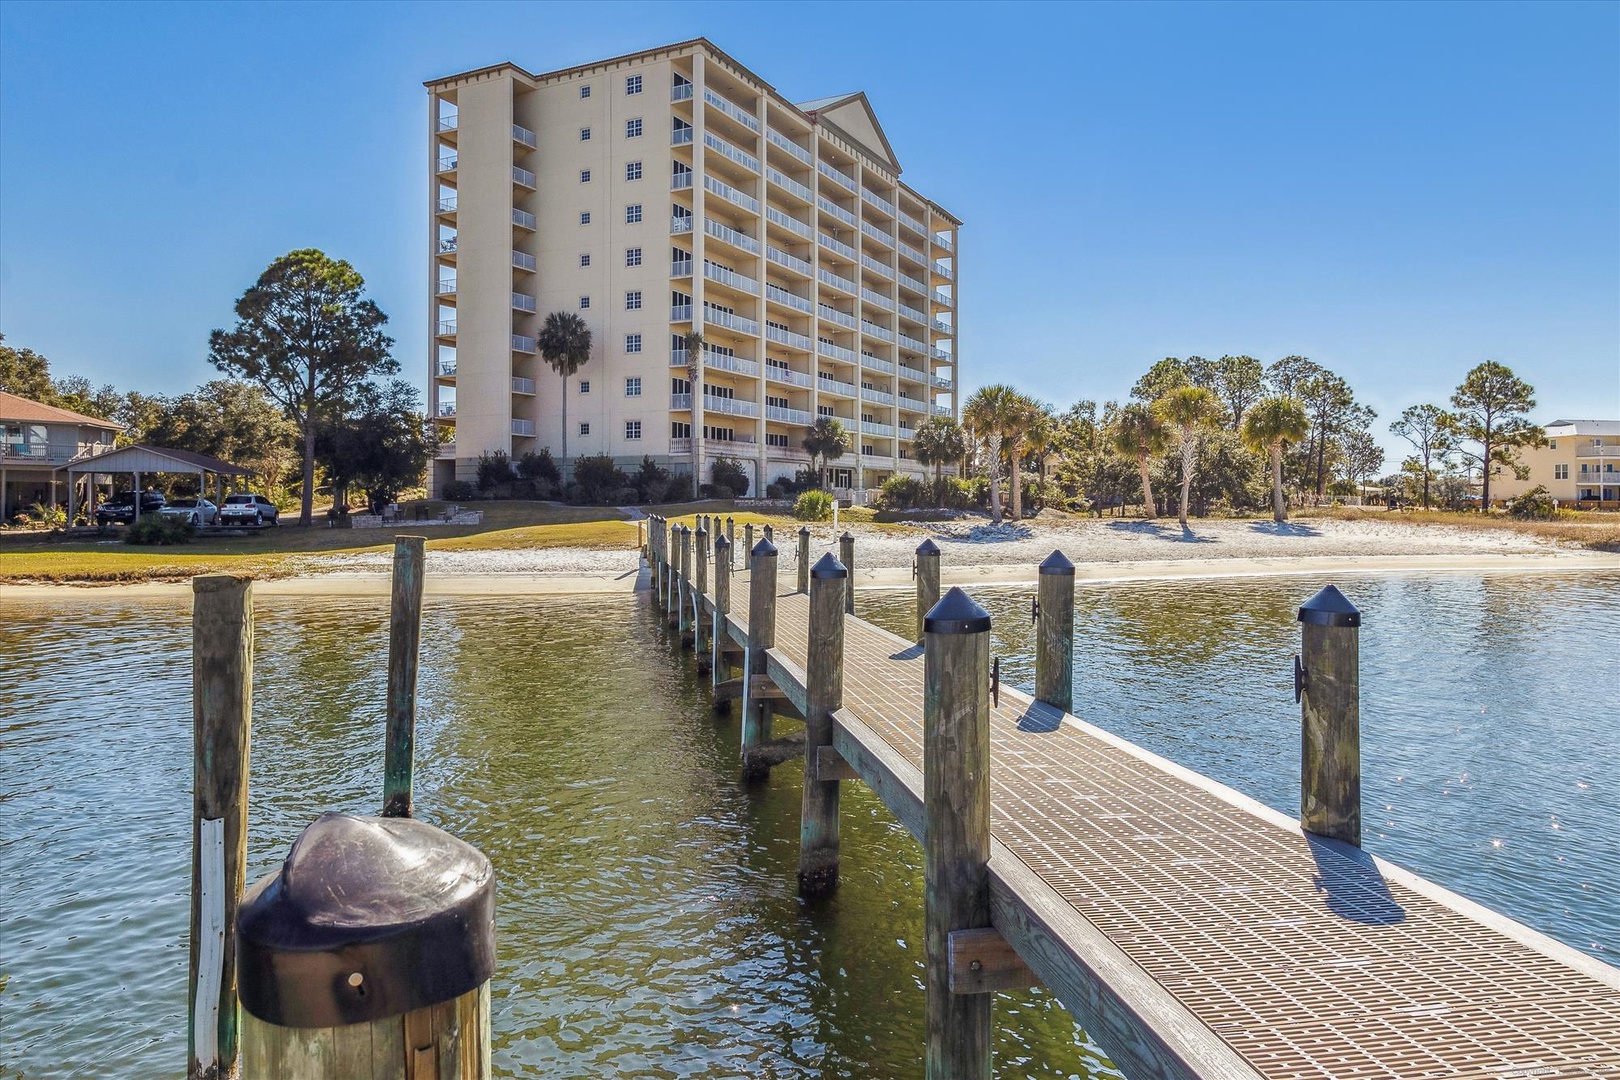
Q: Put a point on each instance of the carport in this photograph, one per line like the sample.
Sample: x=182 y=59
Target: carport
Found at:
x=139 y=461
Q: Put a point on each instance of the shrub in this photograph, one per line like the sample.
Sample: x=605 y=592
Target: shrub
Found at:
x=157 y=529
x=597 y=480
x=1534 y=505
x=539 y=467
x=494 y=469
x=52 y=517
x=459 y=491
x=814 y=506
x=775 y=491
x=728 y=474
x=952 y=492
x=528 y=488
x=901 y=493
x=652 y=481
x=679 y=484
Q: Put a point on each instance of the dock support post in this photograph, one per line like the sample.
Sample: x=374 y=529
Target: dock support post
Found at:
x=824 y=676
x=1054 y=632
x=1327 y=683
x=700 y=587
x=770 y=534
x=846 y=555
x=804 y=559
x=926 y=571
x=222 y=718
x=660 y=540
x=683 y=618
x=731 y=531
x=404 y=650
x=756 y=717
x=956 y=835
x=718 y=638
x=748 y=540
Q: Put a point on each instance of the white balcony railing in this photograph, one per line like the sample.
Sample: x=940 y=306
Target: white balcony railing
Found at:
x=736 y=112
x=523 y=260
x=447 y=123
x=833 y=315
x=943 y=240
x=447 y=246
x=447 y=204
x=877 y=268
x=782 y=296
x=909 y=282
x=877 y=298
x=446 y=288
x=713 y=316
x=725 y=362
x=521 y=385
x=908 y=312
x=877 y=364
x=788 y=416
x=522 y=176
x=522 y=343
x=522 y=302
x=681 y=92
x=943 y=300
x=944 y=271
x=447 y=327
x=915 y=345
x=447 y=164
x=788 y=222
x=727 y=276
x=680 y=223
x=882 y=431
x=731 y=236
x=1605 y=451
x=681 y=136
x=681 y=268
x=942 y=410
x=447 y=410
x=837 y=246
x=943 y=382
x=942 y=326
x=787 y=183
x=730 y=153
x=880 y=397
x=909 y=252
x=836 y=211
x=829 y=385
x=713 y=403
x=872 y=329
x=879 y=201
x=912 y=403
x=523 y=219
x=681 y=180
x=913 y=224
x=914 y=374
x=837 y=352
x=872 y=231
x=834 y=173
x=787 y=337
x=837 y=281
x=447 y=369
x=524 y=136
x=776 y=138
x=524 y=428
x=792 y=262
x=778 y=373
x=681 y=313
x=731 y=194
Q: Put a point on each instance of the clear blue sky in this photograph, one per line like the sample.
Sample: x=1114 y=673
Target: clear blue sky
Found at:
x=1396 y=191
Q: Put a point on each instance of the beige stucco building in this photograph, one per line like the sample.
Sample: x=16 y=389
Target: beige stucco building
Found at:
x=36 y=442
x=667 y=191
x=1579 y=466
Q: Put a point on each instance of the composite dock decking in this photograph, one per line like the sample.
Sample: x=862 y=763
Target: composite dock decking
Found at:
x=1196 y=932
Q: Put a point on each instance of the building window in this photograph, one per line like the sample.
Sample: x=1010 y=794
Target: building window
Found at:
x=632 y=343
x=632 y=256
x=632 y=84
x=775 y=438
x=632 y=214
x=585 y=428
x=632 y=128
x=584 y=260
x=1552 y=444
x=584 y=217
x=584 y=302
x=584 y=176
x=679 y=386
x=680 y=429
x=584 y=386
x=824 y=410
x=585 y=134
x=632 y=300
x=1561 y=472
x=632 y=170
x=584 y=92
x=632 y=429
x=632 y=386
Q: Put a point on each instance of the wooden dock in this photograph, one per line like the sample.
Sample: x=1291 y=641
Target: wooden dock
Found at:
x=1192 y=932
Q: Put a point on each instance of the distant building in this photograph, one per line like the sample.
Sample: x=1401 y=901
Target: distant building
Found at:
x=37 y=441
x=1580 y=465
x=668 y=191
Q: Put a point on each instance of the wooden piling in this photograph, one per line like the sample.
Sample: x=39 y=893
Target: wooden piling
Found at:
x=1054 y=632
x=927 y=573
x=1328 y=680
x=748 y=540
x=756 y=717
x=804 y=558
x=770 y=534
x=222 y=712
x=846 y=555
x=824 y=675
x=683 y=616
x=700 y=586
x=731 y=531
x=404 y=651
x=718 y=639
x=956 y=839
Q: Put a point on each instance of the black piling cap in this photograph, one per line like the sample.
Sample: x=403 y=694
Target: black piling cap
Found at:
x=367 y=918
x=828 y=567
x=1329 y=607
x=956 y=613
x=765 y=547
x=928 y=547
x=720 y=541
x=804 y=530
x=1057 y=563
x=846 y=538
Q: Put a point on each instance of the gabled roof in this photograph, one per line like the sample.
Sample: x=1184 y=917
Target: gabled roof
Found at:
x=28 y=411
x=1582 y=427
x=853 y=115
x=154 y=459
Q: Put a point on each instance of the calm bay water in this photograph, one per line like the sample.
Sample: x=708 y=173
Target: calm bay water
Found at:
x=648 y=923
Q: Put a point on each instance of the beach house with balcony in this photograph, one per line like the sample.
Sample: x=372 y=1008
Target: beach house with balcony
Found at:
x=1579 y=466
x=38 y=440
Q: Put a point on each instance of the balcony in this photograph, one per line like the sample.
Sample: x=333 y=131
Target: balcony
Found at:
x=741 y=444
x=909 y=342
x=782 y=296
x=877 y=268
x=878 y=397
x=787 y=337
x=838 y=318
x=447 y=328
x=872 y=231
x=680 y=224
x=523 y=177
x=909 y=252
x=788 y=416
x=943 y=240
x=836 y=174
x=913 y=224
x=884 y=431
x=737 y=365
x=524 y=261
x=943 y=327
x=909 y=282
x=731 y=194
x=522 y=343
x=788 y=184
x=447 y=164
x=681 y=92
x=447 y=369
x=776 y=138
x=877 y=364
x=447 y=450
x=878 y=201
x=730 y=236
x=713 y=403
x=872 y=329
x=680 y=402
x=730 y=153
x=523 y=219
x=944 y=271
x=914 y=315
x=914 y=404
x=788 y=222
x=447 y=204
x=681 y=136
x=681 y=181
x=522 y=302
x=836 y=246
x=942 y=300
x=726 y=276
x=446 y=123
x=942 y=410
x=877 y=298
x=829 y=385
x=447 y=410
x=827 y=277
x=522 y=386
x=943 y=382
x=681 y=313
x=713 y=316
x=836 y=352
x=682 y=268
x=778 y=373
x=524 y=137
x=447 y=246
x=914 y=374
x=445 y=288
x=736 y=112
x=791 y=262
x=907 y=434
x=836 y=211
x=1597 y=452
x=523 y=428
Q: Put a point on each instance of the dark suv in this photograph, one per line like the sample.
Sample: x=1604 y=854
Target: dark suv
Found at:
x=120 y=508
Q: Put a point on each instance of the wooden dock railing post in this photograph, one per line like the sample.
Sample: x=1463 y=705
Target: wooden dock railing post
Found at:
x=222 y=721
x=804 y=559
x=926 y=571
x=846 y=555
x=718 y=638
x=659 y=536
x=404 y=652
x=1327 y=684
x=956 y=833
x=672 y=602
x=1054 y=632
x=683 y=618
x=770 y=534
x=756 y=718
x=731 y=532
x=700 y=559
x=824 y=677
x=748 y=540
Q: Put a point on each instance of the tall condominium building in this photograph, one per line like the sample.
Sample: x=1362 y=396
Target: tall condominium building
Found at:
x=667 y=192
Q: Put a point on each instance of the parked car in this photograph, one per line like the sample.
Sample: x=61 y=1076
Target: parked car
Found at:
x=247 y=510
x=120 y=508
x=196 y=511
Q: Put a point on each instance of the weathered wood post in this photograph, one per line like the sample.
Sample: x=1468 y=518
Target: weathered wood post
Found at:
x=731 y=531
x=656 y=543
x=718 y=638
x=770 y=534
x=1054 y=632
x=956 y=834
x=404 y=651
x=700 y=587
x=222 y=721
x=804 y=558
x=824 y=675
x=756 y=718
x=684 y=617
x=927 y=573
x=368 y=953
x=846 y=555
x=673 y=600
x=1327 y=684
x=748 y=540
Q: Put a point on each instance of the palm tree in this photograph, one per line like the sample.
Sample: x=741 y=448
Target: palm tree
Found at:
x=1271 y=426
x=692 y=342
x=826 y=441
x=1036 y=431
x=1025 y=414
x=1139 y=434
x=991 y=413
x=565 y=343
x=938 y=441
x=1189 y=410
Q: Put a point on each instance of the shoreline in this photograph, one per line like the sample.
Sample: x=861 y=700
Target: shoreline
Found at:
x=475 y=585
